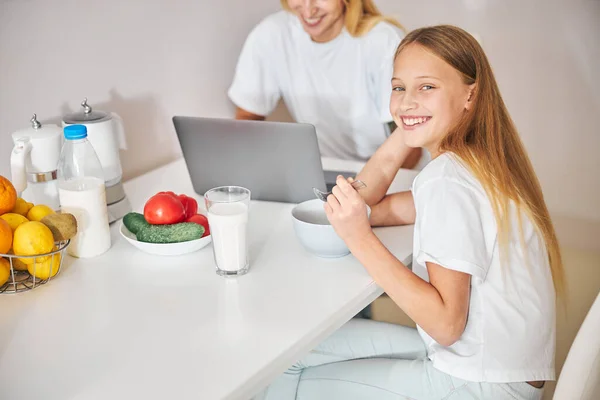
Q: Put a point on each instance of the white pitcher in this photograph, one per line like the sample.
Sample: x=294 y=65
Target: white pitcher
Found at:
x=34 y=162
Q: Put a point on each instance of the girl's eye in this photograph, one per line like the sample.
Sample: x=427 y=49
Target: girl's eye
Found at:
x=398 y=89
x=426 y=87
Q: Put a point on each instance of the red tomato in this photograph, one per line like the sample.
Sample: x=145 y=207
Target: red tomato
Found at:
x=190 y=204
x=200 y=220
x=164 y=208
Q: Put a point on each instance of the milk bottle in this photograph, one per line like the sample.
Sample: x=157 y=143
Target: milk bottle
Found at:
x=82 y=193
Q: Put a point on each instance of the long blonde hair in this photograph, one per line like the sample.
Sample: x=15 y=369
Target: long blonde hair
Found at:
x=360 y=16
x=487 y=141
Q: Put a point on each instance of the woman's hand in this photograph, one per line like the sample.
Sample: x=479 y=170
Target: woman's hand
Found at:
x=347 y=212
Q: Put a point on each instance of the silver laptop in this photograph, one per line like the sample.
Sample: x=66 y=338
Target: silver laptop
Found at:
x=277 y=161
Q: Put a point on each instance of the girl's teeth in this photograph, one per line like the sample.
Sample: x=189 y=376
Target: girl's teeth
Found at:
x=414 y=121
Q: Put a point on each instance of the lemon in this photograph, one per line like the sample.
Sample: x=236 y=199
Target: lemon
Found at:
x=19 y=265
x=4 y=271
x=13 y=220
x=38 y=212
x=22 y=207
x=33 y=238
x=45 y=269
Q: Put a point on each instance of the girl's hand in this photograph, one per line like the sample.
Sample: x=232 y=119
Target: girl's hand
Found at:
x=347 y=212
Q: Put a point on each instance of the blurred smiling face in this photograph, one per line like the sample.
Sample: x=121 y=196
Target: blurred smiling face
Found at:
x=323 y=20
x=428 y=97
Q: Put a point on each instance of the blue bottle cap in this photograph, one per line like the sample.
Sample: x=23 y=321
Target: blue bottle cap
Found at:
x=73 y=132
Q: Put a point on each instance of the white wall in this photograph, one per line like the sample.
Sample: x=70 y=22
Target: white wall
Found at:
x=144 y=59
x=151 y=59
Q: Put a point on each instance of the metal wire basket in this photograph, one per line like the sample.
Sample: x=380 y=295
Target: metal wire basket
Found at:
x=29 y=272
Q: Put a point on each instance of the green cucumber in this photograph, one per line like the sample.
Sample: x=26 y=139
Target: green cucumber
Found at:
x=134 y=222
x=175 y=233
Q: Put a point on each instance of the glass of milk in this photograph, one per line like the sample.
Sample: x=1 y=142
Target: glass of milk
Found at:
x=227 y=208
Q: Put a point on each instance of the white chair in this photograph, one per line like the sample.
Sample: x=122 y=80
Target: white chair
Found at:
x=580 y=375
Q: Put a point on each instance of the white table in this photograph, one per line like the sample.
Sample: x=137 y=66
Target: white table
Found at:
x=128 y=325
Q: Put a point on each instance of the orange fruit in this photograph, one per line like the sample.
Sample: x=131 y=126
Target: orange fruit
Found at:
x=6 y=237
x=4 y=271
x=8 y=195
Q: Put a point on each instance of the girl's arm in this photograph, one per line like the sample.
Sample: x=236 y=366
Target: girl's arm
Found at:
x=382 y=167
x=439 y=306
x=394 y=209
x=378 y=173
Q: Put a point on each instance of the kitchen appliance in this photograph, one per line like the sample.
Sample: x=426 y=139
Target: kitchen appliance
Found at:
x=34 y=160
x=106 y=134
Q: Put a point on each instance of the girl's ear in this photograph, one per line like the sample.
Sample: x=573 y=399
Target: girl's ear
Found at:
x=470 y=99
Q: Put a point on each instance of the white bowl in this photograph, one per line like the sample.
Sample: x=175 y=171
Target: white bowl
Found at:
x=314 y=231
x=166 y=249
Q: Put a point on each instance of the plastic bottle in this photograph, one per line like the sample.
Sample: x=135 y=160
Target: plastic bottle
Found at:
x=82 y=193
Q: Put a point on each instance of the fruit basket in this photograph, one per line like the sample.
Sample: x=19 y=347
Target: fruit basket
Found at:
x=29 y=272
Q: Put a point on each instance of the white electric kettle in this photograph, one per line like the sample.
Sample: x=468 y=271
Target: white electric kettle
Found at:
x=107 y=135
x=33 y=162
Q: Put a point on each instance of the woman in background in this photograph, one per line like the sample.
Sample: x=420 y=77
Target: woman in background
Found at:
x=331 y=62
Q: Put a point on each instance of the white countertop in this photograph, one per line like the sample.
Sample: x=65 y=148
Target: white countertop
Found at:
x=129 y=325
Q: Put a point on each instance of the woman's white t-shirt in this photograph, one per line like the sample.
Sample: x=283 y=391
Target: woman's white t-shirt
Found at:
x=510 y=331
x=342 y=87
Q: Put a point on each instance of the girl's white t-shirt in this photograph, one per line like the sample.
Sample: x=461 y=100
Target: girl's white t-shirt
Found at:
x=342 y=87
x=510 y=330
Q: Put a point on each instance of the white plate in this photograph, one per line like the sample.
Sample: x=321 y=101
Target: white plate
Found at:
x=166 y=249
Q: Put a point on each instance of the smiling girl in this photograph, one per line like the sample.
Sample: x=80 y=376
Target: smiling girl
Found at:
x=331 y=62
x=486 y=263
